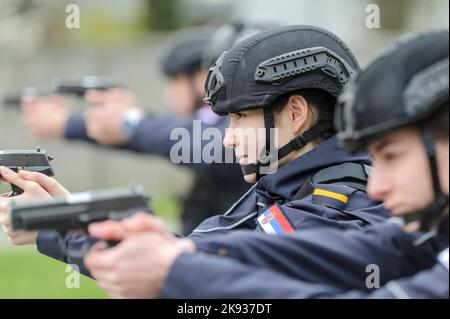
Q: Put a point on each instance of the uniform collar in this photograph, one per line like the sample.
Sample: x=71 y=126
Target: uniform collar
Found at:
x=289 y=178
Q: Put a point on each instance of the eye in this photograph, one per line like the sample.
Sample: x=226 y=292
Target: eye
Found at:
x=238 y=116
x=390 y=155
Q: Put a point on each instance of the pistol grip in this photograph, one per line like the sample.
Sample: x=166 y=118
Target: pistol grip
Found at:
x=16 y=191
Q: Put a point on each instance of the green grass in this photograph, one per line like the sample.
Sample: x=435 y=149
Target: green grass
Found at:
x=25 y=273
x=169 y=209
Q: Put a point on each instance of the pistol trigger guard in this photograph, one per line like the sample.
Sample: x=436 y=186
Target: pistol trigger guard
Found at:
x=15 y=191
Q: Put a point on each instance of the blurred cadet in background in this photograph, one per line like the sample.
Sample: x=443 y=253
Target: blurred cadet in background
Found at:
x=116 y=120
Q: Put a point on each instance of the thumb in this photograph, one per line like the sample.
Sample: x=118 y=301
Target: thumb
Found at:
x=95 y=97
x=108 y=230
x=144 y=222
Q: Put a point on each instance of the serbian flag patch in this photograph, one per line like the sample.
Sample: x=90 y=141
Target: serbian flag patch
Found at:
x=273 y=221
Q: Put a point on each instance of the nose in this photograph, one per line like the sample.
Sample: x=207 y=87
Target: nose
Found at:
x=230 y=140
x=378 y=186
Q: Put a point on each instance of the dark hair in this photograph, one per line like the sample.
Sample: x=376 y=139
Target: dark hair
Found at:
x=319 y=101
x=438 y=123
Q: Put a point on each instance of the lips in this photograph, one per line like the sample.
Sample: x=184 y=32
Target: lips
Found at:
x=242 y=160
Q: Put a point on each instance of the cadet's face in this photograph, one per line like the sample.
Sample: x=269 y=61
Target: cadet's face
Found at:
x=401 y=176
x=180 y=95
x=244 y=136
x=200 y=80
x=443 y=160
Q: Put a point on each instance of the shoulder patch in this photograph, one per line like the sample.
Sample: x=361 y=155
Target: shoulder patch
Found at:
x=334 y=196
x=274 y=221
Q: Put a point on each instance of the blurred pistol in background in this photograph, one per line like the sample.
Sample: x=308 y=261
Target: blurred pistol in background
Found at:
x=79 y=88
x=62 y=87
x=28 y=160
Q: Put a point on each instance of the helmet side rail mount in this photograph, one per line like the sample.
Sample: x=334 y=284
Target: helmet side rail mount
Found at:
x=215 y=81
x=296 y=63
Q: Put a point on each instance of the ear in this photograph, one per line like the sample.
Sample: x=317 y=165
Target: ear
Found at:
x=298 y=113
x=200 y=79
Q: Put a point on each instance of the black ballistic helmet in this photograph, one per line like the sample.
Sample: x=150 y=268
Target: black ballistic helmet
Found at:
x=186 y=50
x=230 y=34
x=258 y=70
x=262 y=68
x=403 y=87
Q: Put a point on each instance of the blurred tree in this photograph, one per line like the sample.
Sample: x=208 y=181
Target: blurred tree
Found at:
x=23 y=6
x=23 y=25
x=394 y=13
x=162 y=15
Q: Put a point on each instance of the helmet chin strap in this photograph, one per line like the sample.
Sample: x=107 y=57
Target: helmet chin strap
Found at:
x=430 y=214
x=268 y=158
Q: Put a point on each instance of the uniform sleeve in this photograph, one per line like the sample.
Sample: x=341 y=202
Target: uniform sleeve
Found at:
x=429 y=284
x=212 y=277
x=167 y=136
x=71 y=249
x=202 y=276
x=76 y=128
x=152 y=135
x=49 y=243
x=327 y=256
